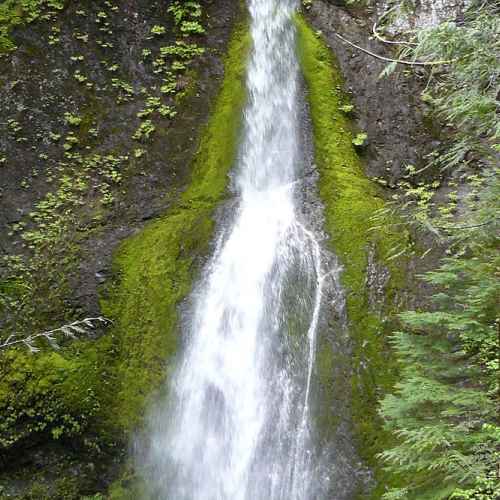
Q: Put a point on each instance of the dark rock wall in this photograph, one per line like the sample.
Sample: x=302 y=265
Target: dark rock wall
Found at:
x=388 y=110
x=102 y=70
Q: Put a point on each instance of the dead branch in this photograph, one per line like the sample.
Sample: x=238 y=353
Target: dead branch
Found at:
x=388 y=59
x=383 y=40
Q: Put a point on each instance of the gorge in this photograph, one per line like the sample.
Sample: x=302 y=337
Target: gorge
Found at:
x=212 y=215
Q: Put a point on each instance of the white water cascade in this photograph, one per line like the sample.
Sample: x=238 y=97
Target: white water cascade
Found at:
x=238 y=422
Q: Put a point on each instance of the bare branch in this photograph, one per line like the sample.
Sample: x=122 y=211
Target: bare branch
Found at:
x=383 y=40
x=473 y=226
x=388 y=59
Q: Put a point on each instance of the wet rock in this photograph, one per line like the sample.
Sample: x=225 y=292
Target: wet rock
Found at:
x=426 y=13
x=37 y=88
x=385 y=109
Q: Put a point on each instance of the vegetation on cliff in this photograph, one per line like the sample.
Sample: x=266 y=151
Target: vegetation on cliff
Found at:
x=440 y=422
x=157 y=266
x=424 y=403
x=443 y=410
x=79 y=403
x=350 y=200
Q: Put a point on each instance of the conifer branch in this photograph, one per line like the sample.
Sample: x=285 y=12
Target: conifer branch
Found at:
x=70 y=330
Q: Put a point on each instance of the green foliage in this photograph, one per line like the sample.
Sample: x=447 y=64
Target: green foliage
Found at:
x=35 y=286
x=71 y=119
x=17 y=12
x=73 y=395
x=192 y=27
x=184 y=10
x=464 y=94
x=444 y=408
x=487 y=487
x=187 y=16
x=49 y=394
x=158 y=30
x=347 y=108
x=125 y=90
x=144 y=131
x=359 y=139
x=182 y=50
x=443 y=411
x=95 y=390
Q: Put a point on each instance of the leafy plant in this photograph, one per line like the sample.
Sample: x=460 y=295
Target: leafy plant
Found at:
x=186 y=17
x=443 y=409
x=143 y=133
x=18 y=12
x=192 y=27
x=464 y=93
x=360 y=139
x=347 y=108
x=72 y=119
x=158 y=30
x=443 y=412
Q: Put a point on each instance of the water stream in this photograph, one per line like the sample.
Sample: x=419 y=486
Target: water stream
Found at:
x=238 y=422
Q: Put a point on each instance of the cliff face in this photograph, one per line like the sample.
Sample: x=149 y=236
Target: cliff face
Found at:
x=389 y=110
x=92 y=139
x=103 y=105
x=102 y=110
x=399 y=134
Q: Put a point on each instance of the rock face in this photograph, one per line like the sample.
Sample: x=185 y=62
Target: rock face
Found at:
x=71 y=94
x=395 y=120
x=425 y=14
x=102 y=108
x=387 y=110
x=100 y=118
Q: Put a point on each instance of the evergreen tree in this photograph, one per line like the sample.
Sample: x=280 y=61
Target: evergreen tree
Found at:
x=443 y=412
x=444 y=409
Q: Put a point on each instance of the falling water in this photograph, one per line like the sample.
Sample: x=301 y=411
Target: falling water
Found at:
x=238 y=423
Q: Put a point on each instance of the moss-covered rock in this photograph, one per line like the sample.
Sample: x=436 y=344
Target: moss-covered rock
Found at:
x=73 y=409
x=157 y=266
x=351 y=200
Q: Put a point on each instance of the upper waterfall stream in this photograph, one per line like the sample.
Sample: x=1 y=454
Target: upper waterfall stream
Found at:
x=238 y=423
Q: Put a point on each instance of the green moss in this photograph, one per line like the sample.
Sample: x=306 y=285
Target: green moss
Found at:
x=158 y=265
x=46 y=394
x=325 y=365
x=94 y=392
x=350 y=200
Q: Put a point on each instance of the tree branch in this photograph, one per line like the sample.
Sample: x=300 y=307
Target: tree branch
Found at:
x=77 y=327
x=388 y=59
x=383 y=40
x=445 y=228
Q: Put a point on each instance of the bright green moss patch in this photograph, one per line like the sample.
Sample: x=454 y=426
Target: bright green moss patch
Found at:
x=158 y=265
x=350 y=200
x=45 y=394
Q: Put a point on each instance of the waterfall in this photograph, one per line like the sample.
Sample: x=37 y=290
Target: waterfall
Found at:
x=237 y=423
